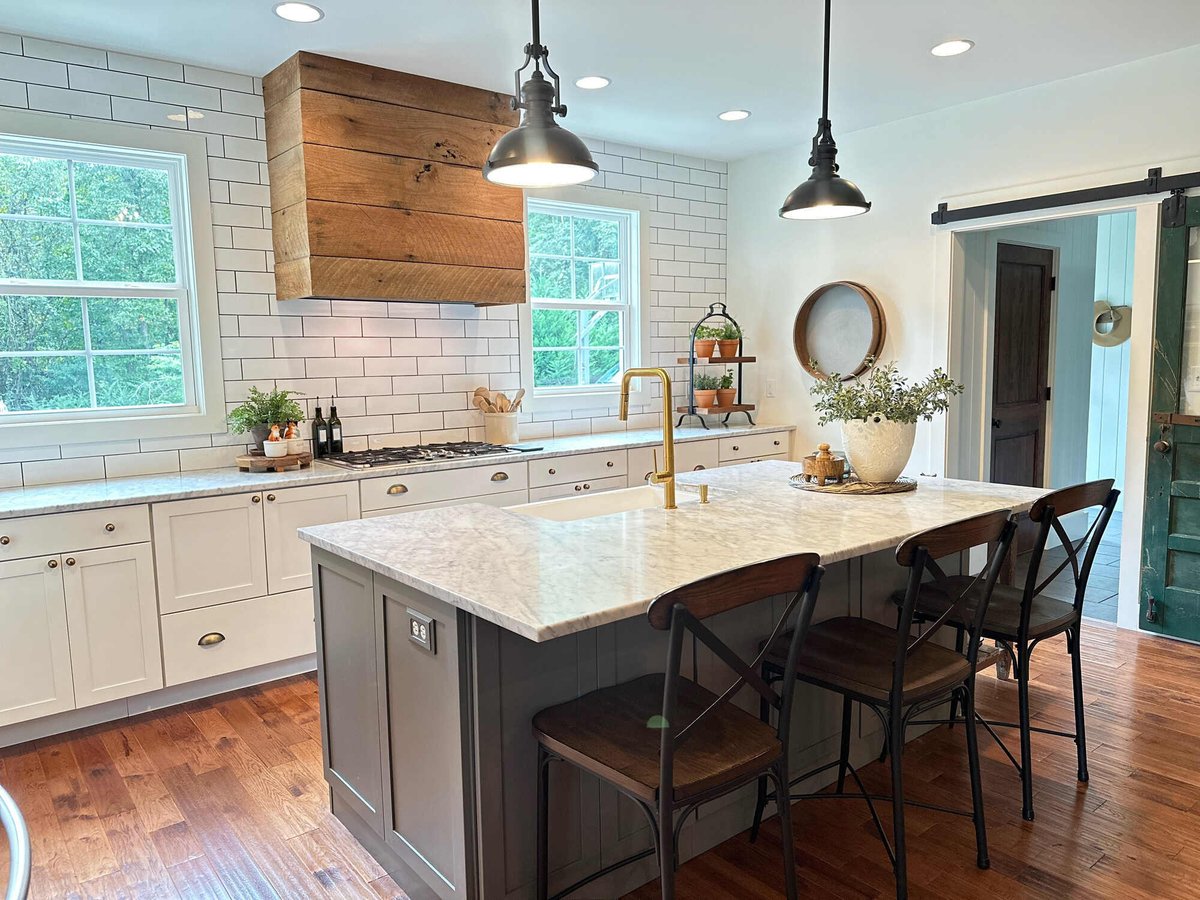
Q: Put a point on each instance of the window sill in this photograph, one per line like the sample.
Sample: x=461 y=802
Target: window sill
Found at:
x=87 y=431
x=585 y=400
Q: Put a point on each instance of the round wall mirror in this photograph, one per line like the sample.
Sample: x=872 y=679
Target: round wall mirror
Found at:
x=839 y=328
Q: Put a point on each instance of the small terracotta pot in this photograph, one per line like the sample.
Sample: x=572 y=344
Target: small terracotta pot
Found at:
x=706 y=399
x=726 y=396
x=704 y=348
x=729 y=349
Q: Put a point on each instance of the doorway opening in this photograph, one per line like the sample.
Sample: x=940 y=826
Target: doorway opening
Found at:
x=1044 y=351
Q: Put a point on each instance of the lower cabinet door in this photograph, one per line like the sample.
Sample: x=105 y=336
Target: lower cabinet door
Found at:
x=289 y=559
x=112 y=619
x=35 y=663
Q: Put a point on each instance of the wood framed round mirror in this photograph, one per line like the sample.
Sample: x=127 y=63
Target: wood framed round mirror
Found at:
x=840 y=328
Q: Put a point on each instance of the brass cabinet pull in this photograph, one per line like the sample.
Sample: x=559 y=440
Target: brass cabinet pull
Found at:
x=53 y=563
x=271 y=498
x=110 y=527
x=5 y=539
x=256 y=499
x=500 y=476
x=699 y=467
x=398 y=489
x=211 y=639
x=70 y=560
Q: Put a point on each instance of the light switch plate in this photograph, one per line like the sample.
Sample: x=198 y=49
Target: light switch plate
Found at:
x=421 y=630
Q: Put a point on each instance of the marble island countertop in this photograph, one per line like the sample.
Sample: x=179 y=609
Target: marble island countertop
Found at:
x=76 y=495
x=545 y=579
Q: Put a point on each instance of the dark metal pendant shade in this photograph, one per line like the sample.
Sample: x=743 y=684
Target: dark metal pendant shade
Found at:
x=825 y=195
x=539 y=152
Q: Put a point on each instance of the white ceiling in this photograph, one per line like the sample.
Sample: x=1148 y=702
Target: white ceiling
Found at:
x=674 y=63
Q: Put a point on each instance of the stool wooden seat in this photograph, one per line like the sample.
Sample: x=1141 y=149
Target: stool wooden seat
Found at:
x=670 y=744
x=1019 y=618
x=897 y=675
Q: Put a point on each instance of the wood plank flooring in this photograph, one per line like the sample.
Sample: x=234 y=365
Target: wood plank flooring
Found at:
x=224 y=798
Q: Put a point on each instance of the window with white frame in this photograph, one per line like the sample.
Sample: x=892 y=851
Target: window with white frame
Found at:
x=96 y=288
x=584 y=296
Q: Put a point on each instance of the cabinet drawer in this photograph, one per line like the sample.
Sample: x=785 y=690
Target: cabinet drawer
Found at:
x=255 y=632
x=689 y=457
x=585 y=467
x=504 y=498
x=577 y=489
x=87 y=529
x=432 y=487
x=747 y=446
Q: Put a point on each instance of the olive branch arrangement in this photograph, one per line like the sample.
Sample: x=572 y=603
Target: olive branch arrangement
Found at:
x=883 y=391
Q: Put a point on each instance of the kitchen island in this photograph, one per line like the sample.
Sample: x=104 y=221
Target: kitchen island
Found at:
x=441 y=632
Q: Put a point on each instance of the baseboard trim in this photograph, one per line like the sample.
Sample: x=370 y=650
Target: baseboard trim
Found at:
x=22 y=732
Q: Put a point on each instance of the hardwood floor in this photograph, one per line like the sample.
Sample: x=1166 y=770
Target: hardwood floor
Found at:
x=224 y=798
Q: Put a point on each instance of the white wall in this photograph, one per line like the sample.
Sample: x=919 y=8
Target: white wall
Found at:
x=1108 y=416
x=402 y=371
x=1081 y=129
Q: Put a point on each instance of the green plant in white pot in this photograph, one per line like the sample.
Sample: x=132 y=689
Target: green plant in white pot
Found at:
x=878 y=412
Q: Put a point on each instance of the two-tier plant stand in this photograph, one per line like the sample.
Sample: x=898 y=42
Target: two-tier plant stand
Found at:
x=715 y=311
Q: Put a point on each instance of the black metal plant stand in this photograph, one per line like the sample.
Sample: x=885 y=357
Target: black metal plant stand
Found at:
x=715 y=311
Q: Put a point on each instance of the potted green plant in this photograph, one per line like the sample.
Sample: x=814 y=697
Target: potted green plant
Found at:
x=261 y=410
x=729 y=340
x=726 y=392
x=704 y=389
x=878 y=412
x=705 y=341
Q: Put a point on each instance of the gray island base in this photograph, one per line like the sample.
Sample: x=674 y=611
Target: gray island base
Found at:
x=441 y=632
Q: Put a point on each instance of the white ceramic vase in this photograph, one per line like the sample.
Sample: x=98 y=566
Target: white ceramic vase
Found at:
x=878 y=448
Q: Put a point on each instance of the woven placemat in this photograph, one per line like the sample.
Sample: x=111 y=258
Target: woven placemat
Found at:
x=900 y=486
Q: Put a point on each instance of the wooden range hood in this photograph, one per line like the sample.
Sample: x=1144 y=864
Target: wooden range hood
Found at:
x=377 y=191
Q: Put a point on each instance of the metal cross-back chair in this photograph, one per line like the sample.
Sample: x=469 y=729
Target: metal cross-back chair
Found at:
x=19 y=857
x=1020 y=618
x=899 y=677
x=671 y=745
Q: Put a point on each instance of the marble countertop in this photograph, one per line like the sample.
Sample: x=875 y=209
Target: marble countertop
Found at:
x=76 y=495
x=546 y=579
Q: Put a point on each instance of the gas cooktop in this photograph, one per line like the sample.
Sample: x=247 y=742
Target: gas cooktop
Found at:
x=401 y=456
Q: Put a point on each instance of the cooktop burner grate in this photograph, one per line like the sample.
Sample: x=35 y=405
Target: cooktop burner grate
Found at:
x=398 y=456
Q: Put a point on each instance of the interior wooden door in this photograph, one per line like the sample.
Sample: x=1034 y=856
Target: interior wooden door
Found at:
x=1170 y=577
x=1020 y=363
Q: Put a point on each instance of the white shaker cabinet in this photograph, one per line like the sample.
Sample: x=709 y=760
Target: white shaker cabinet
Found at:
x=289 y=559
x=112 y=621
x=209 y=550
x=35 y=665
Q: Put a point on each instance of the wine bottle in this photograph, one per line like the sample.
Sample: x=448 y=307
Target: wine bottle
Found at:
x=335 y=430
x=320 y=433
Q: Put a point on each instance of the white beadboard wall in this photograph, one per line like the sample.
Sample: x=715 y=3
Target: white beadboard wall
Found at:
x=402 y=372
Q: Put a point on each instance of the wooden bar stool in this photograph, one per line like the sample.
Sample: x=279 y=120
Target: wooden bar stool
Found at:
x=1020 y=618
x=898 y=676
x=666 y=742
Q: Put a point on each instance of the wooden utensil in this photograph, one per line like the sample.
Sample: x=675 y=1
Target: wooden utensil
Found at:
x=516 y=404
x=502 y=402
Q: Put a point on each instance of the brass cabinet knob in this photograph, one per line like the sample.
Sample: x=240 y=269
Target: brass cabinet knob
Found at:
x=211 y=639
x=609 y=464
x=271 y=498
x=587 y=487
x=70 y=560
x=110 y=527
x=53 y=563
x=5 y=539
x=398 y=489
x=554 y=471
x=256 y=499
x=776 y=443
x=736 y=447
x=1162 y=446
x=579 y=487
x=500 y=476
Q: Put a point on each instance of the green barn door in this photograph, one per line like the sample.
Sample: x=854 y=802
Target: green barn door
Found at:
x=1170 y=590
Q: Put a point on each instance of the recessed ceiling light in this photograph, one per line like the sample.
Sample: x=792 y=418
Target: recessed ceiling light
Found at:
x=734 y=115
x=952 y=48
x=298 y=12
x=592 y=82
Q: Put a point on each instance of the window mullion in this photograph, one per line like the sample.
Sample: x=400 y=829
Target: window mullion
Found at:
x=87 y=353
x=75 y=226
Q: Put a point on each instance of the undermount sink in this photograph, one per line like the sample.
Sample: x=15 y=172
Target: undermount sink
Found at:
x=589 y=506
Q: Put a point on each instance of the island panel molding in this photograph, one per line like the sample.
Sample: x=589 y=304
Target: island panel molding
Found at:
x=375 y=188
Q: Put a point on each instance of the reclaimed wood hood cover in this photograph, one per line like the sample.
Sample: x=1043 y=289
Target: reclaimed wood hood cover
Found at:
x=377 y=191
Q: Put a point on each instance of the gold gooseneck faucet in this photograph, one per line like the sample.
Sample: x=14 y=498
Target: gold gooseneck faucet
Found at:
x=667 y=476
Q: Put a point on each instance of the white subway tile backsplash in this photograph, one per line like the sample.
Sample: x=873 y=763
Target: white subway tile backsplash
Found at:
x=126 y=109
x=140 y=65
x=13 y=93
x=33 y=71
x=155 y=463
x=102 y=81
x=57 y=471
x=213 y=78
x=74 y=103
x=10 y=43
x=181 y=94
x=68 y=53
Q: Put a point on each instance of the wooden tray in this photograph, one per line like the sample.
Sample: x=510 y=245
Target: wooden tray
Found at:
x=901 y=486
x=257 y=462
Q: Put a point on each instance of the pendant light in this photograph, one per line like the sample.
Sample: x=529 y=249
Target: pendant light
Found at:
x=826 y=194
x=539 y=152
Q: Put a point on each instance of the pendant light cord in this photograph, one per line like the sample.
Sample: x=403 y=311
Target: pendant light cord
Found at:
x=537 y=29
x=825 y=71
